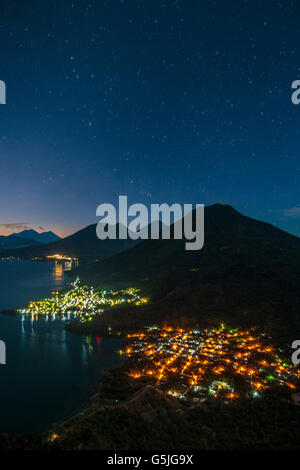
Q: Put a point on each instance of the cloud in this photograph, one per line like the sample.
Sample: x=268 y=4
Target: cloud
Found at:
x=17 y=226
x=292 y=212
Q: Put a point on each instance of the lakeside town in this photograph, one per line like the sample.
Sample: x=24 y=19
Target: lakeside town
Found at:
x=82 y=302
x=219 y=362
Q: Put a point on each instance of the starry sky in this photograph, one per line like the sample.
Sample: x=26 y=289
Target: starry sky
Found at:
x=164 y=101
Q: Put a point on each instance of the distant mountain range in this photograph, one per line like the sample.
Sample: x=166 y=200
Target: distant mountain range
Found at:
x=43 y=237
x=13 y=241
x=83 y=245
x=248 y=273
x=26 y=238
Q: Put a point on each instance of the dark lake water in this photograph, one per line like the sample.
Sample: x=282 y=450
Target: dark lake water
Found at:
x=49 y=373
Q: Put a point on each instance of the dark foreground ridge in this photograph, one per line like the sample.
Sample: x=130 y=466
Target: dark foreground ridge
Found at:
x=126 y=415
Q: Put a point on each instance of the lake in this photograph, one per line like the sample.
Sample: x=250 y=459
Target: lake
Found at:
x=49 y=373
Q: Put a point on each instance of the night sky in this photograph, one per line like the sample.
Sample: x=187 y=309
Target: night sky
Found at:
x=176 y=101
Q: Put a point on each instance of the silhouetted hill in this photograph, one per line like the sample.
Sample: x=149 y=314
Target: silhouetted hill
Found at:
x=43 y=237
x=230 y=239
x=248 y=272
x=130 y=414
x=83 y=244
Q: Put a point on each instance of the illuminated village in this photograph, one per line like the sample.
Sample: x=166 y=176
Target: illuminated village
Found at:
x=58 y=257
x=221 y=363
x=81 y=301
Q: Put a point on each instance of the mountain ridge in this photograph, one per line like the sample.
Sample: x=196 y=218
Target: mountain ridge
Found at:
x=247 y=273
x=83 y=245
x=14 y=242
x=41 y=237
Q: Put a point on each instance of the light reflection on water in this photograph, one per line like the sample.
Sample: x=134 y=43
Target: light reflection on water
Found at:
x=68 y=265
x=23 y=281
x=50 y=372
x=38 y=327
x=58 y=274
x=59 y=268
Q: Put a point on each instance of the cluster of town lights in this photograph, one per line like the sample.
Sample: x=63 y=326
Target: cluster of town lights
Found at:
x=224 y=363
x=59 y=257
x=82 y=301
